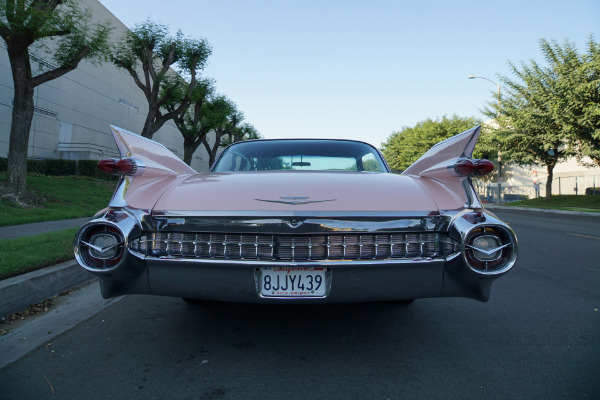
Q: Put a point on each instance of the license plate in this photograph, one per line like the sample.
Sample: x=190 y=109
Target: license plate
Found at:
x=293 y=282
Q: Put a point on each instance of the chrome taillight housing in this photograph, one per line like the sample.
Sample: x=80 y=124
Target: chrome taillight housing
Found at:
x=100 y=247
x=124 y=166
x=469 y=167
x=490 y=249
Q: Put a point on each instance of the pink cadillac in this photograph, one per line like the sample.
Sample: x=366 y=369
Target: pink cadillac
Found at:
x=301 y=220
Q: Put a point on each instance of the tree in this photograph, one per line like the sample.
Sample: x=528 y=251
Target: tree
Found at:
x=196 y=119
x=149 y=46
x=550 y=113
x=577 y=95
x=59 y=27
x=227 y=125
x=404 y=147
x=245 y=131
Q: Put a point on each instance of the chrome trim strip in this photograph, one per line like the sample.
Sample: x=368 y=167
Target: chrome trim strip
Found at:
x=299 y=225
x=118 y=199
x=323 y=263
x=473 y=200
x=291 y=213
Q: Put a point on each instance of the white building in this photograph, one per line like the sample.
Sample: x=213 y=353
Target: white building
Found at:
x=73 y=113
x=569 y=177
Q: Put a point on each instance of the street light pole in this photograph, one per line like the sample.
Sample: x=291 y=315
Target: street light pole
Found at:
x=499 y=113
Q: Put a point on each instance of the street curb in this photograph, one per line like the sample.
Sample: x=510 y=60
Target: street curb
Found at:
x=17 y=293
x=542 y=210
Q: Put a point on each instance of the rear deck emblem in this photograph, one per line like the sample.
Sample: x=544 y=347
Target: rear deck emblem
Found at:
x=295 y=200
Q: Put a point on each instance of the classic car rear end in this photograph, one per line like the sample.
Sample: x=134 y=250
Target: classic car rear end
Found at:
x=296 y=221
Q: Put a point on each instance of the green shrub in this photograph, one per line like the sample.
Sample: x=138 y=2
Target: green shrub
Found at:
x=59 y=167
x=592 y=191
x=37 y=166
x=90 y=168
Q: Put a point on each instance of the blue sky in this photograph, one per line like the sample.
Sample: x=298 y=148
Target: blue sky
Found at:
x=363 y=69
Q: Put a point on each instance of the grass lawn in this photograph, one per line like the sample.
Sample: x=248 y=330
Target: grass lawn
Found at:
x=35 y=252
x=64 y=197
x=563 y=202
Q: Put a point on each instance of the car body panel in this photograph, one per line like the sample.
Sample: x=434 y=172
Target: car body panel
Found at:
x=379 y=236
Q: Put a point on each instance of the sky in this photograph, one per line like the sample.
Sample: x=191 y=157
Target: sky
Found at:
x=363 y=69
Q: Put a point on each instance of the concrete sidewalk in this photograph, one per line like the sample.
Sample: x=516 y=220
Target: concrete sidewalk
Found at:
x=490 y=206
x=17 y=231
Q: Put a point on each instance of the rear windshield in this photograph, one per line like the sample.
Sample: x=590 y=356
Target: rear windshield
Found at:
x=301 y=155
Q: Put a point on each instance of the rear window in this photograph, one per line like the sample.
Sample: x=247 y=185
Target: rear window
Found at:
x=300 y=155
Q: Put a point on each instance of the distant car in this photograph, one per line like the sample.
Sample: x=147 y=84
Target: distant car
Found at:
x=296 y=221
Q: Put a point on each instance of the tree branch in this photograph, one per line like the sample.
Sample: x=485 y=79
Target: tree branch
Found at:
x=63 y=32
x=149 y=66
x=138 y=82
x=60 y=71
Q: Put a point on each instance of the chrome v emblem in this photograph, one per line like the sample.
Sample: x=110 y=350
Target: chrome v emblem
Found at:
x=488 y=252
x=295 y=200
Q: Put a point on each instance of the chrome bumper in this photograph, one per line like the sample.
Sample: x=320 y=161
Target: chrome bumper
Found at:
x=351 y=281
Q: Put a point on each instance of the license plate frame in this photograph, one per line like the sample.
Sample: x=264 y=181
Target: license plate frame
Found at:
x=293 y=282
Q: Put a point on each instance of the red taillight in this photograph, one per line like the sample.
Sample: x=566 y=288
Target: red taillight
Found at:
x=126 y=166
x=483 y=167
x=108 y=166
x=464 y=167
x=468 y=167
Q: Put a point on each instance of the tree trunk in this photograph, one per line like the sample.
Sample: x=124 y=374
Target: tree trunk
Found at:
x=550 y=170
x=22 y=115
x=189 y=148
x=148 y=131
x=214 y=151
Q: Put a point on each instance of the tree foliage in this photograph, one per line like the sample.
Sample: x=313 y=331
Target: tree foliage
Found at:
x=60 y=28
x=549 y=113
x=576 y=102
x=228 y=126
x=404 y=147
x=163 y=66
x=198 y=117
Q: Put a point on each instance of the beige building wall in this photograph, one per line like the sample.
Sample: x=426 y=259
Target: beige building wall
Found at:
x=73 y=113
x=570 y=177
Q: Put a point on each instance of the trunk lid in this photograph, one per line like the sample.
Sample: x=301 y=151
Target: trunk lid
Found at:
x=312 y=191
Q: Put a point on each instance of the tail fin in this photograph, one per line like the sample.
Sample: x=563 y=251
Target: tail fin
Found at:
x=156 y=169
x=444 y=154
x=157 y=159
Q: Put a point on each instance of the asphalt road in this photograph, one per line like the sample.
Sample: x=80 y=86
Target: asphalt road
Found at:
x=537 y=338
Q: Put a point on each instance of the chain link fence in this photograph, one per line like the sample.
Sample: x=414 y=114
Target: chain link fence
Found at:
x=568 y=185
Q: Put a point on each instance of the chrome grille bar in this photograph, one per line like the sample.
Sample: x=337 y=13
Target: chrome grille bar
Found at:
x=355 y=246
